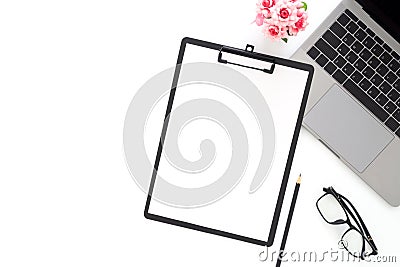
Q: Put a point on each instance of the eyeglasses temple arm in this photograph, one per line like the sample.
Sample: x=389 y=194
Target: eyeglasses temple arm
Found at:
x=364 y=227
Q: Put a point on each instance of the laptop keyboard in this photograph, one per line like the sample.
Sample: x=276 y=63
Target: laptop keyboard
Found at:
x=364 y=64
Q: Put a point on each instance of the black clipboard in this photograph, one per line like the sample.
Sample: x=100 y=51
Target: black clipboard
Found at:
x=248 y=52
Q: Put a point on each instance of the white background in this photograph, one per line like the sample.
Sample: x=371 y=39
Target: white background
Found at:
x=68 y=71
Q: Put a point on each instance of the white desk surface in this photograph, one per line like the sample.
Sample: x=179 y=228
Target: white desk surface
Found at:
x=68 y=71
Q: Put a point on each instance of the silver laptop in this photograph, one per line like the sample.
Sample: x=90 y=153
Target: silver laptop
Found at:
x=354 y=104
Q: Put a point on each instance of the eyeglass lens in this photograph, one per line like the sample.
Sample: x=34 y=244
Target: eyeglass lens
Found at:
x=331 y=209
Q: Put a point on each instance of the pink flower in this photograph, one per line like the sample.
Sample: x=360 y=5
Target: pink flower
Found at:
x=266 y=13
x=275 y=32
x=284 y=12
x=263 y=7
x=299 y=25
x=259 y=19
x=281 y=18
x=300 y=12
x=267 y=3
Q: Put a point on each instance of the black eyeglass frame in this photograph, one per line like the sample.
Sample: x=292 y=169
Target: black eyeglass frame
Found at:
x=362 y=228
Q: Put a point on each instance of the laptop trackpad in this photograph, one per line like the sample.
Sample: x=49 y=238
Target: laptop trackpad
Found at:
x=348 y=129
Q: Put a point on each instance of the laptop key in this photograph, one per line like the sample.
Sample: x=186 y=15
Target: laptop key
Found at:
x=365 y=84
x=313 y=52
x=382 y=99
x=385 y=57
x=362 y=25
x=390 y=77
x=382 y=69
x=387 y=48
x=370 y=104
x=378 y=40
x=385 y=87
x=330 y=68
x=398 y=103
x=376 y=79
x=337 y=29
x=369 y=42
x=339 y=76
x=352 y=27
x=348 y=69
x=351 y=57
x=343 y=49
x=360 y=35
x=356 y=76
x=390 y=107
x=377 y=50
x=351 y=15
x=343 y=19
x=360 y=64
x=373 y=92
x=392 y=124
x=365 y=54
x=396 y=115
x=393 y=95
x=348 y=39
x=357 y=47
x=370 y=32
x=339 y=61
x=394 y=65
x=396 y=85
x=395 y=55
x=322 y=60
x=368 y=72
x=326 y=49
x=331 y=39
x=373 y=62
x=398 y=133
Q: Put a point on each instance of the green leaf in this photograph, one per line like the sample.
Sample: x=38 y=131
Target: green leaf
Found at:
x=285 y=40
x=304 y=6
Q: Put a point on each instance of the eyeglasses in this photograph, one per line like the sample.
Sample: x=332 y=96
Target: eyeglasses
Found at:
x=337 y=210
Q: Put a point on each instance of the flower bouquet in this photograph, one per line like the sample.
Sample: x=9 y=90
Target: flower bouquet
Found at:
x=280 y=19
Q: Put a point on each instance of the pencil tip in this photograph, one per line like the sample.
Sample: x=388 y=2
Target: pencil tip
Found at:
x=299 y=179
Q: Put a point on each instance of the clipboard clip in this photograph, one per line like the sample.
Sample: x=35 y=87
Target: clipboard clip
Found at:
x=248 y=52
